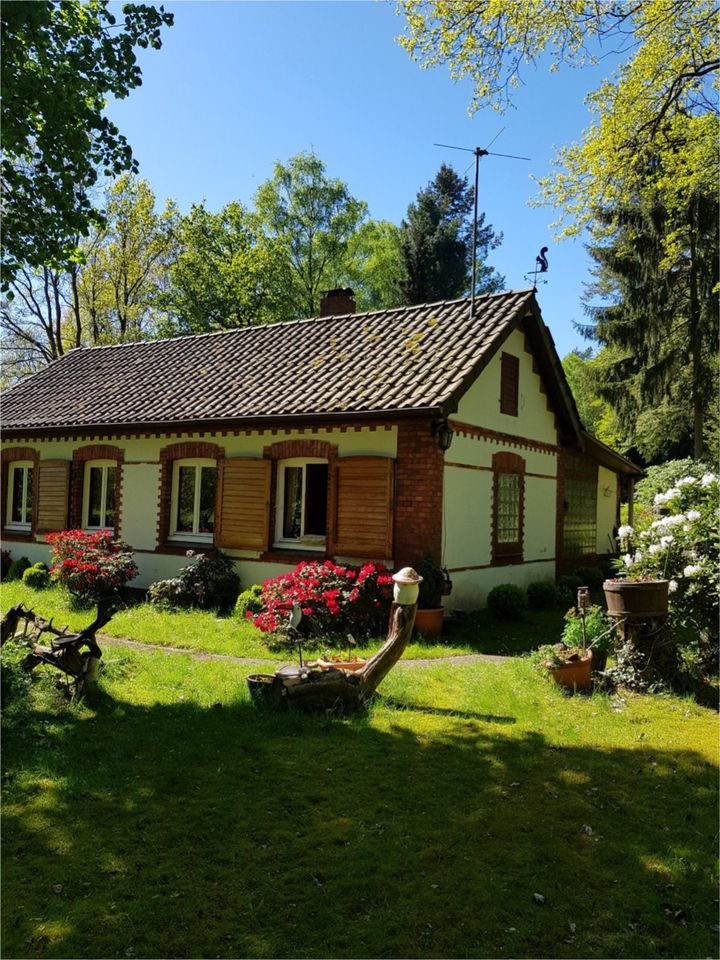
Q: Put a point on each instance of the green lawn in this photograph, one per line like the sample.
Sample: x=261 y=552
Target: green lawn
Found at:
x=167 y=817
x=197 y=630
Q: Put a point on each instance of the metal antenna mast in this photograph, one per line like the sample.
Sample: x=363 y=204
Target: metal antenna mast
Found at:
x=478 y=153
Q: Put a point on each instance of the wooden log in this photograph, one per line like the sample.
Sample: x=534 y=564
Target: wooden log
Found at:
x=349 y=689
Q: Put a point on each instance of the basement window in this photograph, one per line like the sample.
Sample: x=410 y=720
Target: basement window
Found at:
x=302 y=504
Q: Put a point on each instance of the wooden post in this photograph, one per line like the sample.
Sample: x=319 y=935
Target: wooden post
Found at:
x=631 y=500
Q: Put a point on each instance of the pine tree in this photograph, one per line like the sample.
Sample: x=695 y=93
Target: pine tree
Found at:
x=659 y=321
x=436 y=243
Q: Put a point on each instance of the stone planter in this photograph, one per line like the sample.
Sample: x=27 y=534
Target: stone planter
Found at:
x=429 y=622
x=636 y=599
x=574 y=674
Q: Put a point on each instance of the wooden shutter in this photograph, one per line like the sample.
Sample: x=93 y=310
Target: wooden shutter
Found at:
x=509 y=384
x=364 y=513
x=243 y=513
x=53 y=488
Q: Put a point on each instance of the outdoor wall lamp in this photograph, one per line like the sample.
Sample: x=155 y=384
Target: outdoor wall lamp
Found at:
x=444 y=433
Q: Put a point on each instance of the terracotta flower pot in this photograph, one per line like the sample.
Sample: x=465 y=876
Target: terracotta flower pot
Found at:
x=574 y=674
x=636 y=599
x=429 y=622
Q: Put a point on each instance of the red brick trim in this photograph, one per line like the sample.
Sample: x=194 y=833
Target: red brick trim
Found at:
x=536 y=369
x=504 y=554
x=488 y=566
x=12 y=455
x=185 y=450
x=289 y=449
x=418 y=507
x=506 y=439
x=96 y=451
x=473 y=466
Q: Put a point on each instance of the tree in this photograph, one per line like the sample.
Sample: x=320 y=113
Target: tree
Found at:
x=436 y=242
x=583 y=370
x=658 y=317
x=60 y=62
x=659 y=99
x=314 y=218
x=226 y=273
x=374 y=266
x=121 y=283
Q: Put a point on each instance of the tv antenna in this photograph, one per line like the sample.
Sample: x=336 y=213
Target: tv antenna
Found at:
x=478 y=152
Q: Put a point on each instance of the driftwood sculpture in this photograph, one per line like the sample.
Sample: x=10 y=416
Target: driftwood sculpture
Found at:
x=312 y=688
x=75 y=655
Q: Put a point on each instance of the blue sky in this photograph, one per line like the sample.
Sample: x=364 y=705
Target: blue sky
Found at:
x=238 y=85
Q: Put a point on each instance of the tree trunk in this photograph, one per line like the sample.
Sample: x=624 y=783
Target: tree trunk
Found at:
x=695 y=343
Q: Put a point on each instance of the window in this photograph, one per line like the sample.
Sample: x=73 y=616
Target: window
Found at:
x=580 y=528
x=99 y=495
x=509 y=384
x=193 y=500
x=20 y=495
x=302 y=493
x=508 y=508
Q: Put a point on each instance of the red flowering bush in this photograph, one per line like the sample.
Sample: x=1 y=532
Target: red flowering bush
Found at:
x=92 y=566
x=335 y=600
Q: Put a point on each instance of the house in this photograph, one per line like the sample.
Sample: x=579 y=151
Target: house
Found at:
x=382 y=436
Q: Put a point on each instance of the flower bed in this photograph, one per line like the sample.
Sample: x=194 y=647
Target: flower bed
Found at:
x=334 y=599
x=92 y=566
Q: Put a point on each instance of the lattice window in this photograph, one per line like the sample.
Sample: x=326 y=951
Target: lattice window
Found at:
x=508 y=508
x=580 y=529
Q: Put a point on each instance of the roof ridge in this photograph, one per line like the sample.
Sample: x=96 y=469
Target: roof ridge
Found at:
x=290 y=323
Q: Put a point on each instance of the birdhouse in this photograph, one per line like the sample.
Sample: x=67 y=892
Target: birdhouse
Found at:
x=407 y=586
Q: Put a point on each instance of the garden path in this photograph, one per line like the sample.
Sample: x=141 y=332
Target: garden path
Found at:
x=203 y=655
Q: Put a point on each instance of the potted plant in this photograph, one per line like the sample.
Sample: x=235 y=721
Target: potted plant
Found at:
x=598 y=634
x=570 y=666
x=641 y=590
x=434 y=586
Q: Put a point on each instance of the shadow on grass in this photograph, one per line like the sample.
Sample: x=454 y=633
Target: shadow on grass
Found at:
x=395 y=704
x=181 y=831
x=488 y=633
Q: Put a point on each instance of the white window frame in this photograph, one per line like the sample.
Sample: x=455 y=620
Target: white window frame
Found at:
x=25 y=525
x=314 y=542
x=183 y=535
x=103 y=465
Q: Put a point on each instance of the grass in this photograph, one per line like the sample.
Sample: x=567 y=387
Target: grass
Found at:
x=167 y=817
x=231 y=636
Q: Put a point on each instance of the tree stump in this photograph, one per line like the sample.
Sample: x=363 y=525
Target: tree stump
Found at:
x=346 y=690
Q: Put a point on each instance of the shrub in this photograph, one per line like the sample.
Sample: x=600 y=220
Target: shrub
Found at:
x=567 y=589
x=507 y=601
x=17 y=568
x=542 y=594
x=37 y=576
x=665 y=476
x=249 y=601
x=592 y=577
x=596 y=623
x=433 y=577
x=334 y=600
x=5 y=561
x=91 y=566
x=209 y=583
x=682 y=546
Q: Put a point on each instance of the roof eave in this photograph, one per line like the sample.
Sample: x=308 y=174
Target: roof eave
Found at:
x=227 y=424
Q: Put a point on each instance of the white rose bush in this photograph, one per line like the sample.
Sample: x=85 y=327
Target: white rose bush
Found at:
x=681 y=545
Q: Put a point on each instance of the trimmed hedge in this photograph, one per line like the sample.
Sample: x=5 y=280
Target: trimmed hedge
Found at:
x=507 y=601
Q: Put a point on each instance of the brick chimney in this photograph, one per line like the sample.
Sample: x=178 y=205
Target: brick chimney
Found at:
x=337 y=302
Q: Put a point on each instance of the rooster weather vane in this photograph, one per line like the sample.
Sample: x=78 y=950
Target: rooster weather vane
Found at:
x=541 y=266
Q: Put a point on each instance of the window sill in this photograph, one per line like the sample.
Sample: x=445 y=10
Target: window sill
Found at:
x=24 y=535
x=178 y=548
x=508 y=559
x=290 y=556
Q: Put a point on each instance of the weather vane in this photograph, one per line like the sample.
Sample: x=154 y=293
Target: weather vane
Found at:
x=541 y=266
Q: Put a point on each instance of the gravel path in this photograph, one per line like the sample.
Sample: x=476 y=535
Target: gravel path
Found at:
x=253 y=661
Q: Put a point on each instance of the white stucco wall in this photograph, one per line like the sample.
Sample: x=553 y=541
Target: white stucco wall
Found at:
x=141 y=489
x=468 y=478
x=606 y=509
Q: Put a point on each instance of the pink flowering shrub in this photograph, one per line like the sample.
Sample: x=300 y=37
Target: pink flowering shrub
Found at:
x=91 y=566
x=335 y=600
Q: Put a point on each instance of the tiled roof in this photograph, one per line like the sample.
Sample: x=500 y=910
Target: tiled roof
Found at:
x=410 y=358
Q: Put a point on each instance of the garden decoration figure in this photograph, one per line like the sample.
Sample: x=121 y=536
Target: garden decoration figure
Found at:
x=75 y=655
x=326 y=689
x=583 y=602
